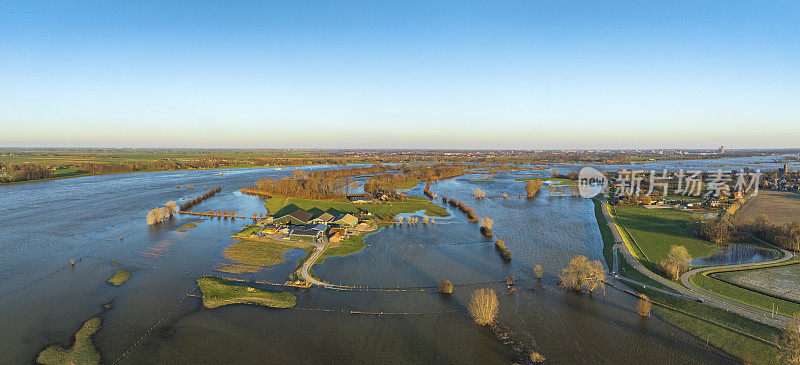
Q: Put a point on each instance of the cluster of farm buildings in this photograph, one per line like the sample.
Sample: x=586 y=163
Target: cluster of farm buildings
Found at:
x=301 y=225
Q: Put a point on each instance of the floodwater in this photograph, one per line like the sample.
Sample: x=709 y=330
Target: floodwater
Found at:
x=44 y=300
x=737 y=254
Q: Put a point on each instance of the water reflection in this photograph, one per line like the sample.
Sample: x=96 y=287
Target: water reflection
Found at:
x=737 y=254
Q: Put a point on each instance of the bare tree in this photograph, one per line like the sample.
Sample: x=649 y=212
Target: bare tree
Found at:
x=538 y=271
x=445 y=287
x=483 y=306
x=677 y=262
x=532 y=187
x=644 y=306
x=583 y=274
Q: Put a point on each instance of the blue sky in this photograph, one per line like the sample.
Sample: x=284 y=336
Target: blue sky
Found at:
x=400 y=74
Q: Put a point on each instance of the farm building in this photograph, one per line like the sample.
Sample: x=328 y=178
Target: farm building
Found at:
x=304 y=234
x=298 y=217
x=324 y=218
x=346 y=220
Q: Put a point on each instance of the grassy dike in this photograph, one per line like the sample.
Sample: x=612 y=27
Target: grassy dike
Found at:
x=729 y=332
x=218 y=292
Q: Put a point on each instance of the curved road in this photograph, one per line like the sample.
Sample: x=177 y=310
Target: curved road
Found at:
x=697 y=294
x=318 y=249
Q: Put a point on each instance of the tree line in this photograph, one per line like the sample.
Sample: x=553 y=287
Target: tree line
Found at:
x=15 y=172
x=385 y=183
x=197 y=200
x=462 y=207
x=320 y=184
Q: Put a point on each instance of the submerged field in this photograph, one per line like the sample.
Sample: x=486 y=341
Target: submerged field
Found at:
x=250 y=256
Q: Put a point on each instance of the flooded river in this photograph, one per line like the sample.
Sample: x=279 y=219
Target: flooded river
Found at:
x=44 y=300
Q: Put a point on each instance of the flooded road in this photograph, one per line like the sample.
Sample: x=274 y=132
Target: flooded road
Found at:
x=44 y=300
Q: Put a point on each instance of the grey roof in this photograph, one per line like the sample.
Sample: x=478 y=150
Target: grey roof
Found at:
x=301 y=215
x=305 y=232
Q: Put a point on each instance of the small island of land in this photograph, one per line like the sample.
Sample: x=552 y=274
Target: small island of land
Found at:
x=218 y=292
x=120 y=277
x=81 y=352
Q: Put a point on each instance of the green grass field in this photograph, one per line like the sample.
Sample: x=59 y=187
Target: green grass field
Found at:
x=406 y=184
x=605 y=232
x=278 y=206
x=709 y=323
x=81 y=352
x=745 y=296
x=656 y=230
x=246 y=231
x=218 y=292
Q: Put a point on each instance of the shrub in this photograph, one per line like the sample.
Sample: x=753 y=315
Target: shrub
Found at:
x=483 y=306
x=536 y=357
x=532 y=187
x=644 y=306
x=583 y=274
x=538 y=270
x=445 y=287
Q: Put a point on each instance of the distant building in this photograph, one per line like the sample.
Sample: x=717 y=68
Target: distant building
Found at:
x=358 y=199
x=721 y=149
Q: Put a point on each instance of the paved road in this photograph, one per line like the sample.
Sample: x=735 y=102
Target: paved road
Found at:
x=693 y=292
x=318 y=249
x=687 y=283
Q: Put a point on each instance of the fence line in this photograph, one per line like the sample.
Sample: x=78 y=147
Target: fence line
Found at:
x=161 y=320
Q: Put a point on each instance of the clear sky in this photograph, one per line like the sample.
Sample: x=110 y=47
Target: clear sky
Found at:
x=400 y=74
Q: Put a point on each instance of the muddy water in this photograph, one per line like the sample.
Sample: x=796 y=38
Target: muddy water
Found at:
x=44 y=300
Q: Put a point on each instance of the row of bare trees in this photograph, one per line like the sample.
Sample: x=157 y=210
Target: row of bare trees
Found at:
x=197 y=200
x=427 y=190
x=505 y=253
x=160 y=214
x=462 y=207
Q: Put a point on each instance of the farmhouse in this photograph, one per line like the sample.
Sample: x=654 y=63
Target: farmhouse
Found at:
x=298 y=217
